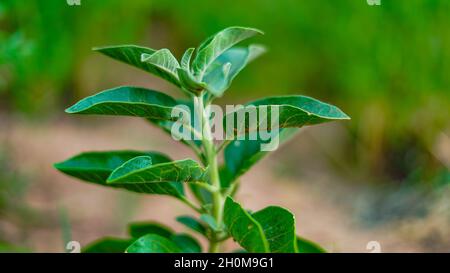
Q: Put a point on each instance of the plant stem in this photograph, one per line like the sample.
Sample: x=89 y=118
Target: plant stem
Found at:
x=211 y=159
x=190 y=204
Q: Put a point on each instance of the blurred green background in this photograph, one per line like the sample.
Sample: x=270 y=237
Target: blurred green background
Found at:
x=386 y=66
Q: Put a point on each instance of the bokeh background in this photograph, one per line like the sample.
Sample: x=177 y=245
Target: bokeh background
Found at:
x=383 y=176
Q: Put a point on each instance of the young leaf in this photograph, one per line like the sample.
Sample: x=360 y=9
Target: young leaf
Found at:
x=189 y=83
x=245 y=230
x=225 y=68
x=139 y=229
x=306 y=246
x=186 y=243
x=158 y=62
x=214 y=46
x=96 y=167
x=153 y=243
x=294 y=111
x=193 y=224
x=186 y=170
x=278 y=225
x=241 y=155
x=127 y=101
x=108 y=245
x=164 y=62
x=186 y=59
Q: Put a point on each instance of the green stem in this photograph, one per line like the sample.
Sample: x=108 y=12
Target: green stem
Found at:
x=190 y=204
x=211 y=159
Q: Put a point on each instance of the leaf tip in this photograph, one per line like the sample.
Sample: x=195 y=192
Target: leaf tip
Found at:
x=76 y=108
x=70 y=110
x=57 y=165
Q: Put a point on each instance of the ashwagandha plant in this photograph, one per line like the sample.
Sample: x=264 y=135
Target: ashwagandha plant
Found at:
x=202 y=77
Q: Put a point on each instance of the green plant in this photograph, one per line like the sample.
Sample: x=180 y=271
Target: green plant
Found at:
x=217 y=61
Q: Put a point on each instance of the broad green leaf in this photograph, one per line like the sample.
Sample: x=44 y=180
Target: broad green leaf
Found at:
x=186 y=243
x=131 y=173
x=306 y=246
x=240 y=155
x=189 y=83
x=108 y=245
x=158 y=62
x=193 y=224
x=217 y=44
x=127 y=101
x=139 y=229
x=278 y=225
x=293 y=111
x=245 y=230
x=153 y=243
x=96 y=167
x=225 y=68
x=271 y=229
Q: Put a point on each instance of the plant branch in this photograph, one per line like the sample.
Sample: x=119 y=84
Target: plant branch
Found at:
x=207 y=187
x=191 y=204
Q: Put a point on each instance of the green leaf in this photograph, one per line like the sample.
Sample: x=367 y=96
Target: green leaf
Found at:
x=127 y=101
x=208 y=219
x=108 y=245
x=190 y=83
x=217 y=44
x=186 y=59
x=164 y=62
x=153 y=243
x=241 y=155
x=306 y=246
x=96 y=167
x=193 y=224
x=225 y=68
x=133 y=173
x=245 y=230
x=158 y=62
x=278 y=225
x=139 y=229
x=271 y=229
x=293 y=111
x=186 y=243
